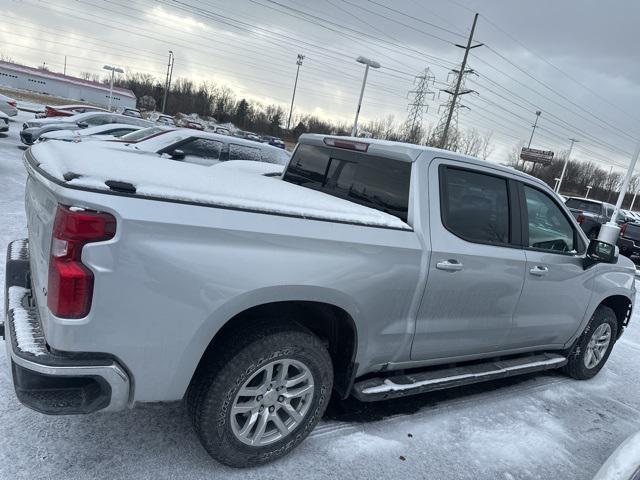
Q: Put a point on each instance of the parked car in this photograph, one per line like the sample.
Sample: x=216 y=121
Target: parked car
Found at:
x=129 y=112
x=4 y=122
x=206 y=148
x=163 y=119
x=255 y=297
x=8 y=106
x=592 y=214
x=624 y=462
x=274 y=141
x=67 y=110
x=221 y=130
x=108 y=131
x=32 y=130
x=629 y=239
x=247 y=135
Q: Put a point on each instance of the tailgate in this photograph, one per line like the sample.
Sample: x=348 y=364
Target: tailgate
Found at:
x=40 y=205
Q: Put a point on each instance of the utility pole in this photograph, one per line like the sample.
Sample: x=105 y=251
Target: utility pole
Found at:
x=413 y=125
x=456 y=93
x=564 y=167
x=167 y=82
x=65 y=65
x=295 y=85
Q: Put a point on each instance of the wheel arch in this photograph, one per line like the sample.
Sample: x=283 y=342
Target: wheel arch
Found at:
x=621 y=306
x=330 y=315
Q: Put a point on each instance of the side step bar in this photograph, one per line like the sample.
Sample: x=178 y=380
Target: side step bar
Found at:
x=382 y=388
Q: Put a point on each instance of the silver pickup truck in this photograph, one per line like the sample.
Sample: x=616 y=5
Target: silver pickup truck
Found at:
x=367 y=268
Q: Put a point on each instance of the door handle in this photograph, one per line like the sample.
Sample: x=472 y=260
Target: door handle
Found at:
x=449 y=265
x=539 y=270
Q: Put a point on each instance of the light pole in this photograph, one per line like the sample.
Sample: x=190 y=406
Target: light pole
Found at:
x=167 y=82
x=589 y=187
x=535 y=124
x=295 y=85
x=609 y=231
x=368 y=63
x=113 y=71
x=564 y=167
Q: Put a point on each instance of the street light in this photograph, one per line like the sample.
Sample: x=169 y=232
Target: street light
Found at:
x=368 y=63
x=589 y=187
x=113 y=71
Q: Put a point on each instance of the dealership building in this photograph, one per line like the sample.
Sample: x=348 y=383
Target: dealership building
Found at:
x=22 y=77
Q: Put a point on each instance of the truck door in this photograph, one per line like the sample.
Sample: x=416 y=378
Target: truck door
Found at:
x=477 y=265
x=556 y=288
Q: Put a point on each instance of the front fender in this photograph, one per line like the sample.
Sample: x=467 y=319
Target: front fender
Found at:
x=608 y=283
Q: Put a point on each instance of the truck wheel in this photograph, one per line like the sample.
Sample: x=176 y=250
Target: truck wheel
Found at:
x=593 y=348
x=258 y=397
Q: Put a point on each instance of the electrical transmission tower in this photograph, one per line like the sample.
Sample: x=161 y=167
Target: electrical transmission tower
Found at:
x=448 y=124
x=417 y=107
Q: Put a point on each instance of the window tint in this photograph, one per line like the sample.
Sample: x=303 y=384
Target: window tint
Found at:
x=584 y=205
x=475 y=206
x=549 y=228
x=375 y=182
x=207 y=150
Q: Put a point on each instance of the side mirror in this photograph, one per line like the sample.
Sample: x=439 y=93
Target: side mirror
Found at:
x=82 y=124
x=600 y=252
x=177 y=155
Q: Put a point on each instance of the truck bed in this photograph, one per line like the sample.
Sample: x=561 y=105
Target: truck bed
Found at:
x=115 y=170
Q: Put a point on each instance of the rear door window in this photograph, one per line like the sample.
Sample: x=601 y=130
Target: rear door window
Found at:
x=203 y=151
x=374 y=182
x=584 y=205
x=475 y=205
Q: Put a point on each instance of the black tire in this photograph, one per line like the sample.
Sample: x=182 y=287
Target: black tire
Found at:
x=221 y=375
x=576 y=367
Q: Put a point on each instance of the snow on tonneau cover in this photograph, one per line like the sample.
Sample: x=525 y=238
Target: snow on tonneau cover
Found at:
x=90 y=166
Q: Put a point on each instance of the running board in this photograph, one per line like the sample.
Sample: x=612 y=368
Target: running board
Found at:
x=383 y=388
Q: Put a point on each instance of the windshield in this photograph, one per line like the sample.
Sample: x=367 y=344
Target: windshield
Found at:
x=584 y=205
x=143 y=134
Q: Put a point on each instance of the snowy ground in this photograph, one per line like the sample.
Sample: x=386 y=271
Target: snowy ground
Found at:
x=536 y=427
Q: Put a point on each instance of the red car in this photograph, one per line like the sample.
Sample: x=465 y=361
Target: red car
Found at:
x=68 y=110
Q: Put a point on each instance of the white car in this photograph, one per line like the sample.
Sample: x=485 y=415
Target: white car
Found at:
x=4 y=122
x=109 y=131
x=8 y=106
x=204 y=148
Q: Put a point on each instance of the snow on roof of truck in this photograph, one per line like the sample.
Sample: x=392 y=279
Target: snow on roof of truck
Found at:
x=85 y=166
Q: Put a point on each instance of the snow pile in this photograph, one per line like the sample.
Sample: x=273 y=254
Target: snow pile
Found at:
x=91 y=165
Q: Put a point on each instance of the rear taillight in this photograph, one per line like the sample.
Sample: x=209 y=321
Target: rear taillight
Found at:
x=580 y=219
x=623 y=228
x=70 y=287
x=12 y=103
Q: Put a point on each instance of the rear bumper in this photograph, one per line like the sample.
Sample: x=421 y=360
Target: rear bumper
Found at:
x=53 y=382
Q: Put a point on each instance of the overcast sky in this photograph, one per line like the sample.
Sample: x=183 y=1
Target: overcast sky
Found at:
x=576 y=60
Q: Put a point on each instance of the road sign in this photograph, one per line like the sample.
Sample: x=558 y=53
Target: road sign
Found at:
x=545 y=157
